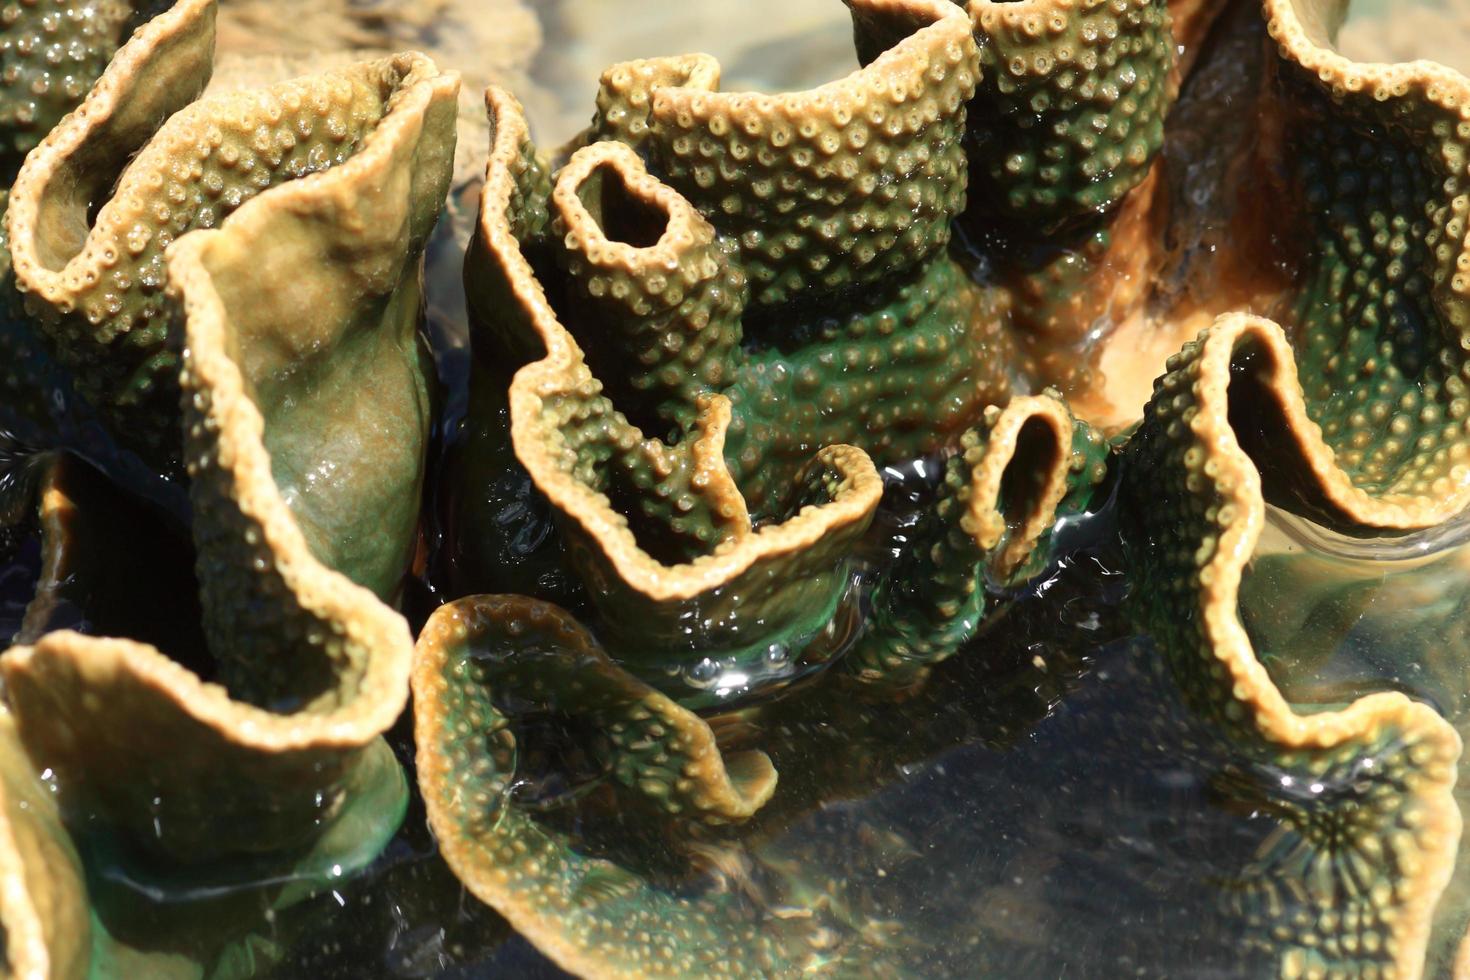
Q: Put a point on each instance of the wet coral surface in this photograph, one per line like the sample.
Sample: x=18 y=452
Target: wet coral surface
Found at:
x=833 y=545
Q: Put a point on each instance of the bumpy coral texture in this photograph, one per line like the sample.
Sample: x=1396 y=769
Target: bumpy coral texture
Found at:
x=814 y=195
x=1381 y=320
x=51 y=51
x=635 y=306
x=313 y=664
x=1357 y=416
x=305 y=299
x=1355 y=413
x=1071 y=106
x=930 y=605
x=623 y=492
x=566 y=901
x=675 y=502
x=1062 y=139
x=833 y=188
x=727 y=308
x=105 y=311
x=1353 y=875
x=653 y=290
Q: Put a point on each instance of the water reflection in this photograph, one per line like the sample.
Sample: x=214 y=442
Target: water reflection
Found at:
x=1048 y=805
x=1335 y=619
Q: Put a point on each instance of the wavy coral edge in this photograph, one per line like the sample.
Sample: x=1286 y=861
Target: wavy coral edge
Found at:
x=382 y=690
x=562 y=356
x=984 y=518
x=466 y=857
x=1398 y=511
x=683 y=224
x=1301 y=30
x=1241 y=518
x=950 y=26
x=721 y=789
x=1240 y=479
x=1303 y=42
x=36 y=945
x=182 y=36
x=492 y=874
x=981 y=526
x=421 y=82
x=1025 y=16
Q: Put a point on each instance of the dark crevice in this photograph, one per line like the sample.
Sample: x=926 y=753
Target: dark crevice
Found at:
x=623 y=215
x=1261 y=427
x=1036 y=456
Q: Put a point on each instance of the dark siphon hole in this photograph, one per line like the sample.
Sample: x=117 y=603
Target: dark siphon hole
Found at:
x=622 y=215
x=1026 y=475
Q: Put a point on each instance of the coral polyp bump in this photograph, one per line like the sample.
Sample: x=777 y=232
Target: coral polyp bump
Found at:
x=270 y=767
x=997 y=512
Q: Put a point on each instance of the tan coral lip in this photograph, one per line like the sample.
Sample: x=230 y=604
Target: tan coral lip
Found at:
x=1308 y=45
x=55 y=277
x=328 y=593
x=40 y=941
x=420 y=81
x=984 y=518
x=1239 y=481
x=1237 y=542
x=384 y=684
x=1447 y=498
x=947 y=19
x=616 y=161
x=591 y=510
x=507 y=875
x=56 y=280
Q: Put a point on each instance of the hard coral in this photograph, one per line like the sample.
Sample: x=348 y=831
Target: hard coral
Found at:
x=786 y=265
x=301 y=416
